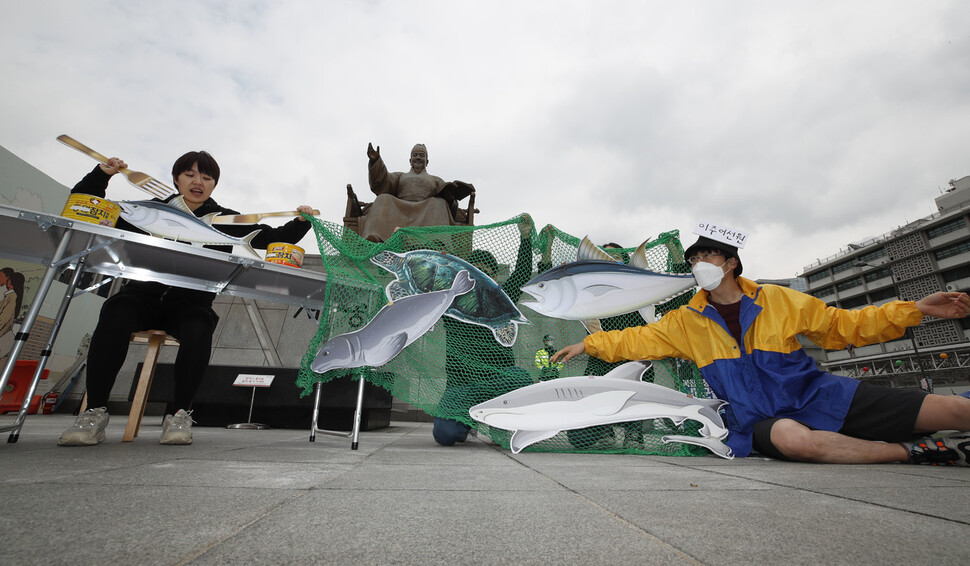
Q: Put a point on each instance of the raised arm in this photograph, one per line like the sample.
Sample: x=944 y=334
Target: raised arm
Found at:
x=945 y=305
x=96 y=182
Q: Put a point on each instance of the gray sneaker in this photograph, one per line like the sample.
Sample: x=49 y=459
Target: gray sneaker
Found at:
x=950 y=450
x=177 y=428
x=88 y=429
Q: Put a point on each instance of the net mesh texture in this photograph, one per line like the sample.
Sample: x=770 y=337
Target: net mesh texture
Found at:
x=458 y=364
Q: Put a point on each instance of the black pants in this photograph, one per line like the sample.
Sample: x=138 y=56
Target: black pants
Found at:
x=126 y=312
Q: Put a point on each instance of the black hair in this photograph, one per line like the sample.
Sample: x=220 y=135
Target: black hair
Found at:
x=207 y=165
x=624 y=257
x=17 y=282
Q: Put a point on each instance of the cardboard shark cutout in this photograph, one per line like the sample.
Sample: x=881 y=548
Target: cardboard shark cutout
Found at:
x=542 y=410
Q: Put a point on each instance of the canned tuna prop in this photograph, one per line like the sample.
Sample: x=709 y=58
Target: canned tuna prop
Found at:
x=89 y=208
x=285 y=254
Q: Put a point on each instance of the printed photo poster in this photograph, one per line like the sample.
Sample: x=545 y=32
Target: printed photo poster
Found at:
x=26 y=187
x=18 y=285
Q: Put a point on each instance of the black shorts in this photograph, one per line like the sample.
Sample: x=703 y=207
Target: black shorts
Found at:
x=876 y=413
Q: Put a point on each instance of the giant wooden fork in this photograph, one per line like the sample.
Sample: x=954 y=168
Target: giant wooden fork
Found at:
x=141 y=180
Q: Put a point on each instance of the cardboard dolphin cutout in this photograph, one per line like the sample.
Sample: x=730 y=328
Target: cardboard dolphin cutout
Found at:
x=394 y=327
x=421 y=271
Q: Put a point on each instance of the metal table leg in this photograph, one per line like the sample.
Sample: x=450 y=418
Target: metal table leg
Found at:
x=46 y=352
x=355 y=429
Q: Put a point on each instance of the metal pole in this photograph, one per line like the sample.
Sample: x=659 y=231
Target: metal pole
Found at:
x=922 y=381
x=49 y=347
x=45 y=284
x=359 y=410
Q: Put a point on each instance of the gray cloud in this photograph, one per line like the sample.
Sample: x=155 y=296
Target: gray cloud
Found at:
x=808 y=124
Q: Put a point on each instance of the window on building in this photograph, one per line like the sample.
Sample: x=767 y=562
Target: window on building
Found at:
x=855 y=302
x=873 y=255
x=950 y=251
x=823 y=292
x=882 y=294
x=951 y=226
x=844 y=266
x=880 y=273
x=816 y=277
x=961 y=272
x=849 y=284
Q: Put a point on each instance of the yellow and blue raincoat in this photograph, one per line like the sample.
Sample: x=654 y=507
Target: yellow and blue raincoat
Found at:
x=772 y=376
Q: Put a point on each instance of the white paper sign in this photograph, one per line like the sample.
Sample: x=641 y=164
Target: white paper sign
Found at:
x=721 y=233
x=253 y=380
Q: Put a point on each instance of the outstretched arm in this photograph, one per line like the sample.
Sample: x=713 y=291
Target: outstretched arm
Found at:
x=945 y=305
x=569 y=352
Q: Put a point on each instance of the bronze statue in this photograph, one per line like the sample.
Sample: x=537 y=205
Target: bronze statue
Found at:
x=414 y=198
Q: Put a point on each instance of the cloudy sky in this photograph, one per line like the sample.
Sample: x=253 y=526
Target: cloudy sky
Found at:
x=807 y=124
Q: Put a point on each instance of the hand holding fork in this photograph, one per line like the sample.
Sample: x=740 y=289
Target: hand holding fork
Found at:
x=115 y=165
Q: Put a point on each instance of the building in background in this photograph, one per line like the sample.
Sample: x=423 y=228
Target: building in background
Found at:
x=928 y=255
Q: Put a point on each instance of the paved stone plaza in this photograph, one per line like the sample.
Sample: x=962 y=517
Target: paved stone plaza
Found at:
x=272 y=497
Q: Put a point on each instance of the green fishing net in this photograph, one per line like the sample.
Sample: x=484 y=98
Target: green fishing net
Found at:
x=458 y=364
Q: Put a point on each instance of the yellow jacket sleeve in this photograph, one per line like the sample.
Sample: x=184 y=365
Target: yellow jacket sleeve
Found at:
x=785 y=314
x=662 y=339
x=834 y=329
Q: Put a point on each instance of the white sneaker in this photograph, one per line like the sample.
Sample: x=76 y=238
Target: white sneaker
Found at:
x=88 y=429
x=177 y=428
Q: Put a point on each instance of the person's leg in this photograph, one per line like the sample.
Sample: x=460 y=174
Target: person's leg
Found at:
x=879 y=427
x=943 y=412
x=193 y=327
x=447 y=432
x=800 y=443
x=121 y=315
x=878 y=419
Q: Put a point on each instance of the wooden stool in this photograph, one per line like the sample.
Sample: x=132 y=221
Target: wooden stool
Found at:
x=155 y=339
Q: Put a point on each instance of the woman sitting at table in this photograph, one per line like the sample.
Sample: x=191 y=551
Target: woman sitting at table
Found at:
x=183 y=313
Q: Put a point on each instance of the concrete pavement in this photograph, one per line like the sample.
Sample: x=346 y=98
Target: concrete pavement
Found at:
x=272 y=497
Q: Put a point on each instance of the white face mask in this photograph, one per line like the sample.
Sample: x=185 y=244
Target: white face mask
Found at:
x=707 y=275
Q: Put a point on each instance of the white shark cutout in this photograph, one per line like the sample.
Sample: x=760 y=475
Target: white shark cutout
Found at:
x=714 y=445
x=542 y=410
